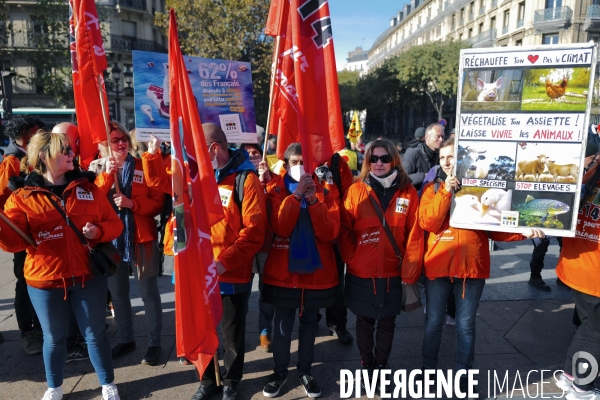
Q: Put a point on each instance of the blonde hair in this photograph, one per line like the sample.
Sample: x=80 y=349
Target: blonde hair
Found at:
x=391 y=149
x=46 y=146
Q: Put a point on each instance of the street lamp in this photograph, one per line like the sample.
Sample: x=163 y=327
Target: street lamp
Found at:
x=113 y=86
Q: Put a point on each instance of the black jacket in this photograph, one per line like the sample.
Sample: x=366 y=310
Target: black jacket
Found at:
x=415 y=163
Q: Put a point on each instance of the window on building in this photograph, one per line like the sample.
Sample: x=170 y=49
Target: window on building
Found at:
x=438 y=30
x=521 y=14
x=553 y=3
x=505 y=21
x=129 y=29
x=129 y=119
x=493 y=23
x=481 y=27
x=519 y=42
x=470 y=33
x=594 y=36
x=550 y=38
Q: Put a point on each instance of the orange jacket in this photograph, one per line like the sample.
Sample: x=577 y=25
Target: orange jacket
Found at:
x=346 y=180
x=324 y=215
x=60 y=259
x=453 y=252
x=158 y=171
x=235 y=244
x=579 y=262
x=10 y=166
x=147 y=202
x=361 y=243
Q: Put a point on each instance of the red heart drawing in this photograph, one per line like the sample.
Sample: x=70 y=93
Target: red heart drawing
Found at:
x=532 y=59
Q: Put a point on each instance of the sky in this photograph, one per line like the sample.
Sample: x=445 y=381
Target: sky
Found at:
x=359 y=22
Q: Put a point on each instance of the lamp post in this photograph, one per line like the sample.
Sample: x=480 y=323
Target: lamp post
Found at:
x=113 y=86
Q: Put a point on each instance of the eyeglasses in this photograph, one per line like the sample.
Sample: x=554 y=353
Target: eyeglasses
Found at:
x=66 y=150
x=122 y=139
x=386 y=159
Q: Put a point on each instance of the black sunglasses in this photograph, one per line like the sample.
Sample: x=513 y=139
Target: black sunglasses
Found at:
x=66 y=150
x=386 y=159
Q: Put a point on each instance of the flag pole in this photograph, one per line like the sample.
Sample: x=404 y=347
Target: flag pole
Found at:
x=217 y=369
x=16 y=229
x=106 y=128
x=271 y=92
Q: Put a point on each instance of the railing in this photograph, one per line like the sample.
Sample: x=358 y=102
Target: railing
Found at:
x=481 y=10
x=551 y=14
x=128 y=44
x=593 y=11
x=483 y=36
x=504 y=30
x=520 y=23
x=34 y=40
x=137 y=4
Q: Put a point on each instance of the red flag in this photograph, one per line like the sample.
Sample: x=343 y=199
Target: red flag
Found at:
x=88 y=61
x=198 y=307
x=306 y=99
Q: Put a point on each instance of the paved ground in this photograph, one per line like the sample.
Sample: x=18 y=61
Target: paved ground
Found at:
x=519 y=330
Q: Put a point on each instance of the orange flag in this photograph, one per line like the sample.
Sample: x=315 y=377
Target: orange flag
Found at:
x=88 y=62
x=198 y=307
x=306 y=99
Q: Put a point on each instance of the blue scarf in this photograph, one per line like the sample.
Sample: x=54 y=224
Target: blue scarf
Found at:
x=304 y=255
x=126 y=241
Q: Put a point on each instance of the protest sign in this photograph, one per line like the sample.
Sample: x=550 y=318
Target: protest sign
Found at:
x=222 y=88
x=522 y=125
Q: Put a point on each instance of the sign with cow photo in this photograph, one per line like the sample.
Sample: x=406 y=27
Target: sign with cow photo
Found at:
x=522 y=125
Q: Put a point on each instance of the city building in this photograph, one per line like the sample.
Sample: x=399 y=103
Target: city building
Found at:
x=484 y=23
x=126 y=25
x=357 y=61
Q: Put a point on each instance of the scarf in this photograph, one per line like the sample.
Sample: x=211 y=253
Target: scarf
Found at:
x=432 y=155
x=304 y=257
x=386 y=181
x=125 y=242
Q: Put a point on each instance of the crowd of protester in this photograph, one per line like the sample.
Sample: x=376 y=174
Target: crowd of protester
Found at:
x=335 y=239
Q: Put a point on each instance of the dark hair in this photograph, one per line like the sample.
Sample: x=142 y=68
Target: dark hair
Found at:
x=254 y=145
x=20 y=125
x=391 y=149
x=294 y=149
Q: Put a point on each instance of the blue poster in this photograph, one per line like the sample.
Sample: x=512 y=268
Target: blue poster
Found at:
x=223 y=91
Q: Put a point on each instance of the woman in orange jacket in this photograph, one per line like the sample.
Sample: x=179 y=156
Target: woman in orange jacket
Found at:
x=300 y=272
x=137 y=205
x=57 y=268
x=376 y=266
x=579 y=268
x=456 y=260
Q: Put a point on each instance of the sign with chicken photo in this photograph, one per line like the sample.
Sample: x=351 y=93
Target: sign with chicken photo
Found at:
x=522 y=126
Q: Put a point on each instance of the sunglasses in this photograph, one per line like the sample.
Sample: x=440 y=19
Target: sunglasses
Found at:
x=66 y=150
x=386 y=159
x=122 y=139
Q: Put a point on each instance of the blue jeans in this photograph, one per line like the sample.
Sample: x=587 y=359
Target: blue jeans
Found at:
x=282 y=339
x=437 y=291
x=88 y=303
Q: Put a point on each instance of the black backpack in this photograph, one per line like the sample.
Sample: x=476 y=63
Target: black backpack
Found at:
x=238 y=187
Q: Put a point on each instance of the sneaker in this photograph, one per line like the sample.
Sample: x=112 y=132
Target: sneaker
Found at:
x=274 y=385
x=184 y=361
x=79 y=353
x=578 y=394
x=310 y=385
x=450 y=320
x=539 y=284
x=152 y=355
x=110 y=392
x=565 y=382
x=30 y=343
x=53 y=394
x=344 y=337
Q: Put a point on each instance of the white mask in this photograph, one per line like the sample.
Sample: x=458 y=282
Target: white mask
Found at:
x=255 y=160
x=214 y=163
x=296 y=172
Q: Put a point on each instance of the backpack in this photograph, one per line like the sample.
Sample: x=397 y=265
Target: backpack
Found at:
x=238 y=188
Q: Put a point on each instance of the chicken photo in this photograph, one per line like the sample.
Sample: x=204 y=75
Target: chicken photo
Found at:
x=494 y=201
x=556 y=91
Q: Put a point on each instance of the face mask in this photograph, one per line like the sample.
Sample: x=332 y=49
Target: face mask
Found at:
x=214 y=163
x=296 y=172
x=255 y=160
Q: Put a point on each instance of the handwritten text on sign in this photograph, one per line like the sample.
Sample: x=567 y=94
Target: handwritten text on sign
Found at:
x=527 y=59
x=545 y=187
x=530 y=127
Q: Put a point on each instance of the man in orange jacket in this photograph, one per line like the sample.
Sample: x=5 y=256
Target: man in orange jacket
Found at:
x=235 y=241
x=20 y=129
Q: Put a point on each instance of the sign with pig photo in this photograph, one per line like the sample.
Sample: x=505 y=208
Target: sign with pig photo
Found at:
x=522 y=125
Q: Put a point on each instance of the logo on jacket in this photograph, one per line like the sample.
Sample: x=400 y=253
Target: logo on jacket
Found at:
x=402 y=205
x=138 y=176
x=83 y=194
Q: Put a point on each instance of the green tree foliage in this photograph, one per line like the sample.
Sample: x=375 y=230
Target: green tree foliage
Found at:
x=431 y=70
x=348 y=81
x=230 y=30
